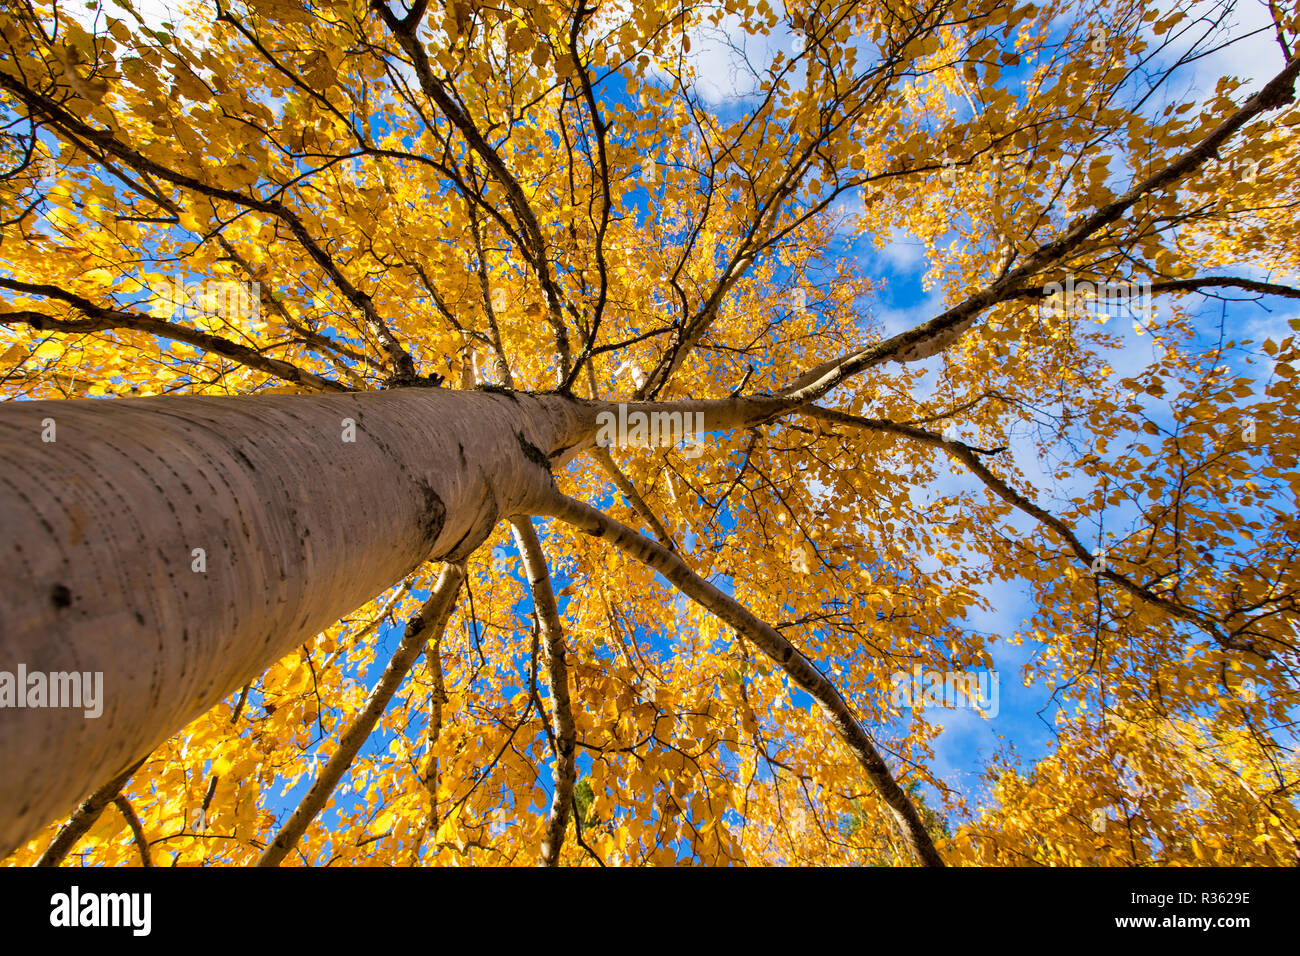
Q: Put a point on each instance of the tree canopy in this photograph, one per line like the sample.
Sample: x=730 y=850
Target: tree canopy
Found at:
x=1090 y=398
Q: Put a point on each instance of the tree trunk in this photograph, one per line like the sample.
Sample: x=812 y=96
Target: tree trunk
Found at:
x=180 y=545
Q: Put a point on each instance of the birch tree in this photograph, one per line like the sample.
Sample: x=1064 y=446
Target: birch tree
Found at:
x=457 y=433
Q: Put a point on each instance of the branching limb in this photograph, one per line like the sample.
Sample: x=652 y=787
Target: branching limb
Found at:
x=215 y=779
x=563 y=731
x=936 y=334
x=84 y=817
x=101 y=319
x=137 y=831
x=969 y=457
x=1183 y=285
x=624 y=484
x=601 y=129
x=74 y=129
x=333 y=351
x=431 y=775
x=534 y=249
x=772 y=643
x=425 y=625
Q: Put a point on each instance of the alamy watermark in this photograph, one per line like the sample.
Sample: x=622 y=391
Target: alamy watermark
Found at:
x=230 y=299
x=974 y=690
x=76 y=908
x=1103 y=300
x=24 y=688
x=651 y=429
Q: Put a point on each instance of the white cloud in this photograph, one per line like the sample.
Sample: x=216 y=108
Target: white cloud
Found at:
x=903 y=252
x=1253 y=55
x=154 y=13
x=728 y=62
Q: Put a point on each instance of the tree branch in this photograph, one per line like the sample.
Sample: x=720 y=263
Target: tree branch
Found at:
x=936 y=334
x=624 y=484
x=431 y=775
x=71 y=126
x=84 y=817
x=101 y=319
x=968 y=456
x=535 y=250
x=425 y=625
x=124 y=807
x=772 y=643
x=564 y=733
x=1186 y=285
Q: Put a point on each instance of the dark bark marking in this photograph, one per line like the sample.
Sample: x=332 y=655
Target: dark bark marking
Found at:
x=533 y=453
x=497 y=390
x=434 y=512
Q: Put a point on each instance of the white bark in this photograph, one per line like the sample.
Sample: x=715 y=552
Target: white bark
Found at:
x=297 y=527
x=563 y=732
